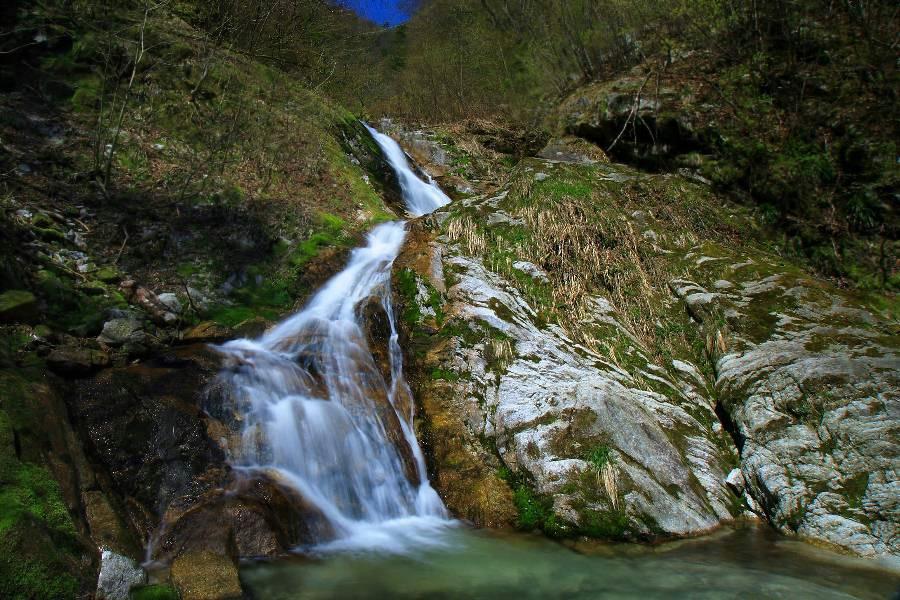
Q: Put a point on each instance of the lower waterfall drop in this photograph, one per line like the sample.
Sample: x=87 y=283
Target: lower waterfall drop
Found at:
x=318 y=411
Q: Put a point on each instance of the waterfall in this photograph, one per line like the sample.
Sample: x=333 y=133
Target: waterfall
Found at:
x=318 y=411
x=421 y=197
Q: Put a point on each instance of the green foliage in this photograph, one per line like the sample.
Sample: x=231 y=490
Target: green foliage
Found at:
x=598 y=456
x=406 y=286
x=532 y=510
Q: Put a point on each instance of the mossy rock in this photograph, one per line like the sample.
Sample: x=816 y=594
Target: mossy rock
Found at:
x=50 y=234
x=18 y=305
x=41 y=555
x=206 y=576
x=108 y=275
x=73 y=361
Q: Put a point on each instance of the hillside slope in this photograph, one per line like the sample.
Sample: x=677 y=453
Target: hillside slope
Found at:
x=160 y=192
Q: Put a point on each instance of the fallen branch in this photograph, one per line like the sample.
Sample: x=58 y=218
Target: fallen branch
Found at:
x=634 y=110
x=122 y=247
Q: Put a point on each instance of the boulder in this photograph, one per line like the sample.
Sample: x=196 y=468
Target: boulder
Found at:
x=74 y=361
x=145 y=427
x=811 y=381
x=209 y=332
x=137 y=294
x=121 y=331
x=118 y=574
x=206 y=576
x=635 y=120
x=248 y=516
x=171 y=302
x=548 y=408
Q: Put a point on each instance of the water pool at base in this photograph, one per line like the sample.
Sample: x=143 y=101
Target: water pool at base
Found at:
x=748 y=562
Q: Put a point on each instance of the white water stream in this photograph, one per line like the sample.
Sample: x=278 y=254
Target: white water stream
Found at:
x=320 y=412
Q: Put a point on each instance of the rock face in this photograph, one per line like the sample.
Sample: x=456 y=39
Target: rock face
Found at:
x=163 y=465
x=559 y=413
x=142 y=424
x=613 y=354
x=636 y=119
x=812 y=383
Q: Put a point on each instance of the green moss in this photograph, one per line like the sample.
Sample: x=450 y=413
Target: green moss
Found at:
x=854 y=489
x=444 y=375
x=87 y=94
x=109 y=274
x=39 y=547
x=330 y=235
x=608 y=524
x=50 y=234
x=230 y=316
x=408 y=287
x=532 y=510
x=153 y=592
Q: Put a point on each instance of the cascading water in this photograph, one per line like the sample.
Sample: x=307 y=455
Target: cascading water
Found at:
x=318 y=410
x=421 y=197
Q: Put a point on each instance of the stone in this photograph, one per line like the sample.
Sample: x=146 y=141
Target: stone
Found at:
x=812 y=383
x=206 y=576
x=137 y=294
x=119 y=332
x=197 y=299
x=249 y=516
x=18 y=306
x=145 y=425
x=531 y=269
x=735 y=481
x=118 y=574
x=106 y=527
x=208 y=331
x=76 y=362
x=171 y=302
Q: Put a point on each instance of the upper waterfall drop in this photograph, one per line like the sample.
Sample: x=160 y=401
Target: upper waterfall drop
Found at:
x=317 y=409
x=421 y=197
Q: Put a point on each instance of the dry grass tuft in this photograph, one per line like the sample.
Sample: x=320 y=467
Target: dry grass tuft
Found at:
x=607 y=475
x=465 y=231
